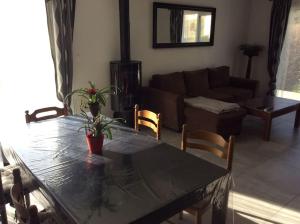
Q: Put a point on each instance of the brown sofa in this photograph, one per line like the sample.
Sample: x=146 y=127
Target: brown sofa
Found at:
x=166 y=94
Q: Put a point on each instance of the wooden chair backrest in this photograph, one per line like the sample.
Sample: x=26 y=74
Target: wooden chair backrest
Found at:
x=33 y=117
x=212 y=142
x=17 y=197
x=147 y=118
x=18 y=200
x=24 y=215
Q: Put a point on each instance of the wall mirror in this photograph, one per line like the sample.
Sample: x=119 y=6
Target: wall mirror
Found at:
x=182 y=25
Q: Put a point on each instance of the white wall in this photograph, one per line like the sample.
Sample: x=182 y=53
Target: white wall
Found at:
x=258 y=33
x=96 y=40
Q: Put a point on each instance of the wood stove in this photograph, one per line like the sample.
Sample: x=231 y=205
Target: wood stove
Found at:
x=126 y=74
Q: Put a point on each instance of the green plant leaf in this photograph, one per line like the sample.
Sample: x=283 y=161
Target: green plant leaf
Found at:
x=109 y=134
x=92 y=84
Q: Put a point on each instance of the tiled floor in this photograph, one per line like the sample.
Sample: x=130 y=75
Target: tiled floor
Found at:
x=266 y=174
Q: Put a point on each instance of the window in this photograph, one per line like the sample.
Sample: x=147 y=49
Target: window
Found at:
x=26 y=72
x=288 y=77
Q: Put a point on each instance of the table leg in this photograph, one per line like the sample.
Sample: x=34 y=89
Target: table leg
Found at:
x=297 y=119
x=268 y=127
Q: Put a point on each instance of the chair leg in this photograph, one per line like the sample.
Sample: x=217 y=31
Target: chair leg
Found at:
x=18 y=180
x=2 y=204
x=3 y=215
x=27 y=200
x=198 y=218
x=181 y=215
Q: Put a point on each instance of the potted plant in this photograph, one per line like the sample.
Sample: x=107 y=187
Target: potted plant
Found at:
x=96 y=128
x=92 y=97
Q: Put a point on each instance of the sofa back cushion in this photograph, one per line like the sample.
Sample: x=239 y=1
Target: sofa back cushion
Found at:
x=218 y=77
x=172 y=82
x=196 y=82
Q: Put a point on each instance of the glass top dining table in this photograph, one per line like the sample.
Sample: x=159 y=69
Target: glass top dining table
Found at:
x=136 y=180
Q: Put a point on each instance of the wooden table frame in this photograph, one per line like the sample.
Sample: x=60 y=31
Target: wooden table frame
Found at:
x=268 y=115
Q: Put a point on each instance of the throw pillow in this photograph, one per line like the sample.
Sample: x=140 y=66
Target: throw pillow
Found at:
x=218 y=77
x=173 y=82
x=196 y=82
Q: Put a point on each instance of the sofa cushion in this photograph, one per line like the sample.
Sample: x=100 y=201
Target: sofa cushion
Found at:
x=218 y=96
x=196 y=82
x=238 y=93
x=173 y=82
x=218 y=77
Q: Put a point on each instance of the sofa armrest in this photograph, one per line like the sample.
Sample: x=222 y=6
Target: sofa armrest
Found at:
x=244 y=83
x=169 y=105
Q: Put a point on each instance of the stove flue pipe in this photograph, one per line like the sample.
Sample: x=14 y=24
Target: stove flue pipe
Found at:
x=124 y=30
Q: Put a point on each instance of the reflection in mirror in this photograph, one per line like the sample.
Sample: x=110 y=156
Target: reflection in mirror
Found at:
x=176 y=26
x=196 y=27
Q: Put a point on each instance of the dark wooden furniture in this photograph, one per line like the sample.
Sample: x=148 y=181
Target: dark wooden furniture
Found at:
x=17 y=197
x=147 y=118
x=270 y=107
x=10 y=175
x=25 y=214
x=136 y=180
x=35 y=115
x=210 y=142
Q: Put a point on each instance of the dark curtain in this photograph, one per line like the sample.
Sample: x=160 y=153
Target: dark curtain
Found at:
x=176 y=21
x=60 y=16
x=279 y=22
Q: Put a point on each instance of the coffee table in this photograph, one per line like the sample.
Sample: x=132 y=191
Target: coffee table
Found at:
x=270 y=107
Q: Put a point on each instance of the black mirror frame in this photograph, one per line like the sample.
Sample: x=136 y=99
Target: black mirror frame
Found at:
x=157 y=5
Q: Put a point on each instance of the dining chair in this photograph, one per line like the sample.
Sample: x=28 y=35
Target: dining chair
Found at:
x=10 y=175
x=210 y=142
x=149 y=119
x=6 y=181
x=33 y=117
x=25 y=214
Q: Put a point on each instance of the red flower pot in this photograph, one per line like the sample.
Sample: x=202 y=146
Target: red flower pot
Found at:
x=95 y=144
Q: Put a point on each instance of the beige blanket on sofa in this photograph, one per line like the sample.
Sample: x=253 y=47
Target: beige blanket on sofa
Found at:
x=212 y=105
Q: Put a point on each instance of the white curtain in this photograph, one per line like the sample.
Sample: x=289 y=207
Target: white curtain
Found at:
x=26 y=72
x=288 y=77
